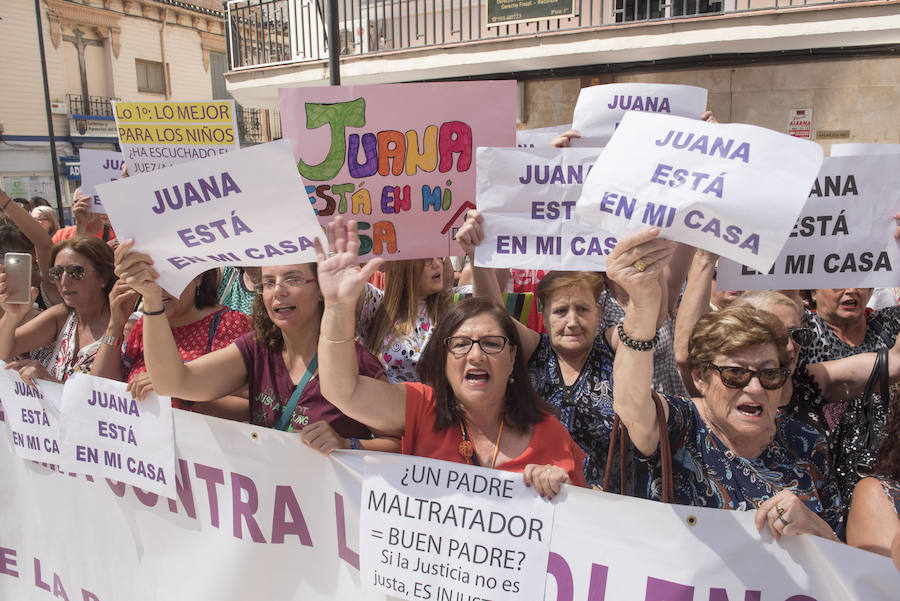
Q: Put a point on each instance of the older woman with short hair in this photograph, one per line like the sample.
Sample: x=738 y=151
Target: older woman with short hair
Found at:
x=730 y=449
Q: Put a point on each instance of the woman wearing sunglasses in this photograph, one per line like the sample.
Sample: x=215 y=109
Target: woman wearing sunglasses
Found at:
x=730 y=448
x=278 y=359
x=83 y=273
x=474 y=404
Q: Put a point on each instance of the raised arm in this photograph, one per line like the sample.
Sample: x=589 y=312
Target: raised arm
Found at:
x=694 y=305
x=38 y=237
x=484 y=279
x=843 y=379
x=208 y=377
x=378 y=405
x=635 y=264
x=108 y=361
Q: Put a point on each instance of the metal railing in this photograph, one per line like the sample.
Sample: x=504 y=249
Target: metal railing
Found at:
x=271 y=32
x=97 y=106
x=256 y=126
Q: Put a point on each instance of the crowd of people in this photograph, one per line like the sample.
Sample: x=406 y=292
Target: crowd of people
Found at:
x=768 y=400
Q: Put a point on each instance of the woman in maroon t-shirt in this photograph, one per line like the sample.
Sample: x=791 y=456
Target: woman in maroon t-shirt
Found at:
x=277 y=360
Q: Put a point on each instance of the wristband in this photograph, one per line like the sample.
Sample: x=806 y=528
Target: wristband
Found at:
x=160 y=312
x=636 y=345
x=110 y=340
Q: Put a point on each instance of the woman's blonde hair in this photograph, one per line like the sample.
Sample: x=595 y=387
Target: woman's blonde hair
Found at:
x=51 y=215
x=400 y=305
x=764 y=298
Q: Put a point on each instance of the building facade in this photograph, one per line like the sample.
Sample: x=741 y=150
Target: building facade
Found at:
x=96 y=51
x=761 y=60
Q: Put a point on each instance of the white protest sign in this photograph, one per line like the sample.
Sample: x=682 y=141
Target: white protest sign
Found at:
x=599 y=109
x=32 y=416
x=844 y=236
x=733 y=189
x=98 y=167
x=859 y=148
x=155 y=135
x=528 y=200
x=434 y=529
x=539 y=137
x=247 y=207
x=106 y=432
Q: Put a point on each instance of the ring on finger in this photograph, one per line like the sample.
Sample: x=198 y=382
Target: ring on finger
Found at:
x=639 y=265
x=783 y=521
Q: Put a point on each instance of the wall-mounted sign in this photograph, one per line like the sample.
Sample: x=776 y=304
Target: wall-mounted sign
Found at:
x=833 y=134
x=509 y=12
x=800 y=124
x=94 y=126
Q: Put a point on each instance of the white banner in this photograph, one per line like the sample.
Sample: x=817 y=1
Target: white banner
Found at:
x=432 y=528
x=98 y=167
x=600 y=109
x=32 y=416
x=247 y=207
x=528 y=200
x=106 y=432
x=733 y=189
x=858 y=148
x=259 y=515
x=155 y=135
x=844 y=236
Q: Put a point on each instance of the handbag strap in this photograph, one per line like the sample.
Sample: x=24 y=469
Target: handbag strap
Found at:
x=881 y=377
x=213 y=326
x=620 y=434
x=284 y=422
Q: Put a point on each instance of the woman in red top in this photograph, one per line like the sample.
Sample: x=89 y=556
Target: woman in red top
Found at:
x=476 y=404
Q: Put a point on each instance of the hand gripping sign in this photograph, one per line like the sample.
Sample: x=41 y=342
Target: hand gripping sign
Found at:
x=734 y=189
x=246 y=207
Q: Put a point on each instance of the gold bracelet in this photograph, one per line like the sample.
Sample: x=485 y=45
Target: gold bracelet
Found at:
x=332 y=341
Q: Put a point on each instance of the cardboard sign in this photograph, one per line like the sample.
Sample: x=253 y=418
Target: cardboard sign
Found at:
x=399 y=159
x=528 y=201
x=843 y=238
x=32 y=416
x=155 y=135
x=433 y=529
x=98 y=167
x=106 y=432
x=600 y=109
x=735 y=190
x=242 y=208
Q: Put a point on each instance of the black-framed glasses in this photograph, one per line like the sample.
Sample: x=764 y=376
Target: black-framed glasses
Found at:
x=461 y=345
x=770 y=378
x=802 y=336
x=288 y=283
x=75 y=272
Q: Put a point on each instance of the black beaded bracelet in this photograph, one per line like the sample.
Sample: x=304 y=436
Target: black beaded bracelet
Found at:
x=160 y=312
x=636 y=345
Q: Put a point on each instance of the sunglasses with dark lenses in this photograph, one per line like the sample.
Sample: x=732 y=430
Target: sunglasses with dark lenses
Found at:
x=737 y=377
x=75 y=272
x=461 y=345
x=802 y=336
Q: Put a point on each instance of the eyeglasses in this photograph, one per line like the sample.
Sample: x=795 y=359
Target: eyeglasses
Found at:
x=75 y=272
x=461 y=345
x=770 y=378
x=289 y=283
x=802 y=336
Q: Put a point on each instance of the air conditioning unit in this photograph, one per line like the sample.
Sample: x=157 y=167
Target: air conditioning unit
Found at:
x=356 y=36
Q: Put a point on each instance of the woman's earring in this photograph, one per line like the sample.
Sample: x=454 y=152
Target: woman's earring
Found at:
x=512 y=379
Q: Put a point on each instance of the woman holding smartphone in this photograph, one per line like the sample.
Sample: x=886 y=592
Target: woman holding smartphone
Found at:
x=83 y=273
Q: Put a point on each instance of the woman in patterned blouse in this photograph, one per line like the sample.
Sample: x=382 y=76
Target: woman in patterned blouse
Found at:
x=874 y=521
x=728 y=449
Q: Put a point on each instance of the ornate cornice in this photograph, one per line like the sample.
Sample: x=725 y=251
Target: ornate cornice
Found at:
x=211 y=42
x=104 y=22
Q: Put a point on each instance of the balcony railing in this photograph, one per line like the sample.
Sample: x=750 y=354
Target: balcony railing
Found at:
x=98 y=106
x=271 y=32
